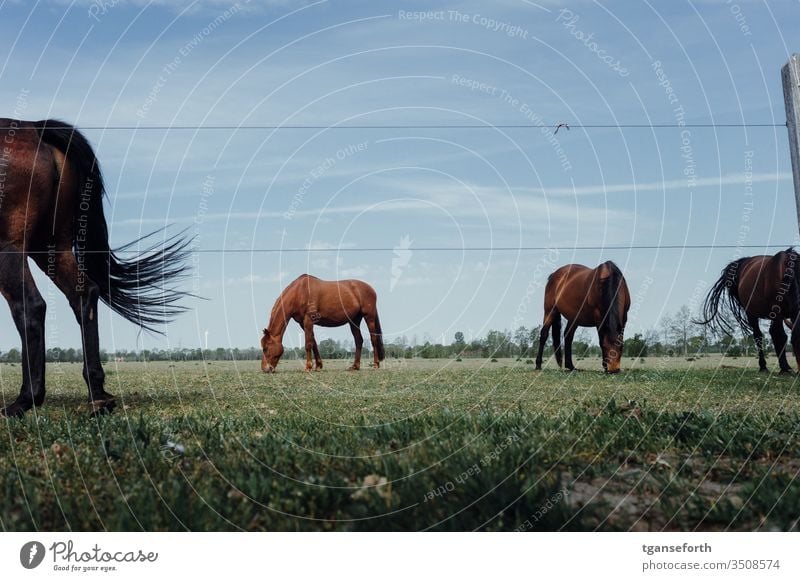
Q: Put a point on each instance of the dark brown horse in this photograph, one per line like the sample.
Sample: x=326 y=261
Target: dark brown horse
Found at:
x=51 y=210
x=586 y=297
x=753 y=288
x=311 y=301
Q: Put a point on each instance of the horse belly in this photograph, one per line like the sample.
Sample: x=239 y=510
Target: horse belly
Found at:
x=583 y=315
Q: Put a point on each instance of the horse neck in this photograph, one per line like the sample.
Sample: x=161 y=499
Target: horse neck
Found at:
x=280 y=317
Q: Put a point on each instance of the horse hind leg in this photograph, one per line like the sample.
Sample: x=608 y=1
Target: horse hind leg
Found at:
x=359 y=341
x=317 y=358
x=550 y=316
x=779 y=340
x=28 y=310
x=83 y=295
x=376 y=339
x=758 y=337
x=569 y=334
x=557 y=342
x=794 y=325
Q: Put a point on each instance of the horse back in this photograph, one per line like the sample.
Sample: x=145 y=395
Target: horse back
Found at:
x=329 y=303
x=571 y=290
x=764 y=284
x=576 y=292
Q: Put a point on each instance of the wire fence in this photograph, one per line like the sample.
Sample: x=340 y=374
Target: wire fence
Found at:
x=436 y=126
x=556 y=127
x=377 y=249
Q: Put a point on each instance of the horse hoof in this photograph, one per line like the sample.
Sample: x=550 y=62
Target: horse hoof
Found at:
x=786 y=372
x=763 y=370
x=353 y=368
x=15 y=410
x=102 y=406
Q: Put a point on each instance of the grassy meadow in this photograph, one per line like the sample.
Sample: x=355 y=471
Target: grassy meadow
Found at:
x=668 y=444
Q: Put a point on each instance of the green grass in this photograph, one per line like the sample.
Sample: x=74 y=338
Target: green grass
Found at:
x=440 y=445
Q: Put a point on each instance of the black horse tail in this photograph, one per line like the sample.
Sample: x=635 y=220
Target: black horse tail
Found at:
x=722 y=302
x=379 y=338
x=133 y=288
x=610 y=289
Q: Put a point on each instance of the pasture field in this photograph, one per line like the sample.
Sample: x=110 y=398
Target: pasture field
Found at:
x=668 y=444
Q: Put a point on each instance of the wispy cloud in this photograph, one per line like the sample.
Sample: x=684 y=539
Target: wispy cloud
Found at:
x=681 y=184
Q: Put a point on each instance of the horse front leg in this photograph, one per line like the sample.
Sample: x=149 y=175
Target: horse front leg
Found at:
x=308 y=327
x=779 y=339
x=603 y=351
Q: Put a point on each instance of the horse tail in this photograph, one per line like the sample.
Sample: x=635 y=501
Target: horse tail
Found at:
x=723 y=300
x=610 y=289
x=133 y=288
x=379 y=338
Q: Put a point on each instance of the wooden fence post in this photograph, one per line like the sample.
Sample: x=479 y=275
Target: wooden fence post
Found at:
x=790 y=74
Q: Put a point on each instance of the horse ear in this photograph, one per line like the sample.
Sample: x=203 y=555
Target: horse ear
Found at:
x=266 y=333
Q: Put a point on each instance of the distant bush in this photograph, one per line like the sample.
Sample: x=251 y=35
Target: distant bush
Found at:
x=459 y=359
x=494 y=360
x=529 y=362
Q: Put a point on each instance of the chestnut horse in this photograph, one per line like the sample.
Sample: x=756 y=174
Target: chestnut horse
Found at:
x=753 y=288
x=51 y=211
x=586 y=297
x=311 y=301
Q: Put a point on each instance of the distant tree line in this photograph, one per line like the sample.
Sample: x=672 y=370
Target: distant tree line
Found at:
x=676 y=335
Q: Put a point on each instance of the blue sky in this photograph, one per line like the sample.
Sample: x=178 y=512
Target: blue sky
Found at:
x=121 y=68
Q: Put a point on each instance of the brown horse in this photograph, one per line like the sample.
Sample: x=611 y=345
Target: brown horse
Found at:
x=586 y=297
x=753 y=288
x=51 y=210
x=311 y=301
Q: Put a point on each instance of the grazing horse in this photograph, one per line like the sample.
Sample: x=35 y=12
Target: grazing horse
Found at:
x=586 y=297
x=753 y=288
x=51 y=211
x=311 y=301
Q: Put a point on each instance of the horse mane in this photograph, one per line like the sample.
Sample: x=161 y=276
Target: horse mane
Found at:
x=609 y=289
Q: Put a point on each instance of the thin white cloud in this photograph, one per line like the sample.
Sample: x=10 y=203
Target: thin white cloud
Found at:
x=681 y=184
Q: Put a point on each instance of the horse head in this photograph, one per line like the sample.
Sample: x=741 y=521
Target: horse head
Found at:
x=271 y=351
x=616 y=302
